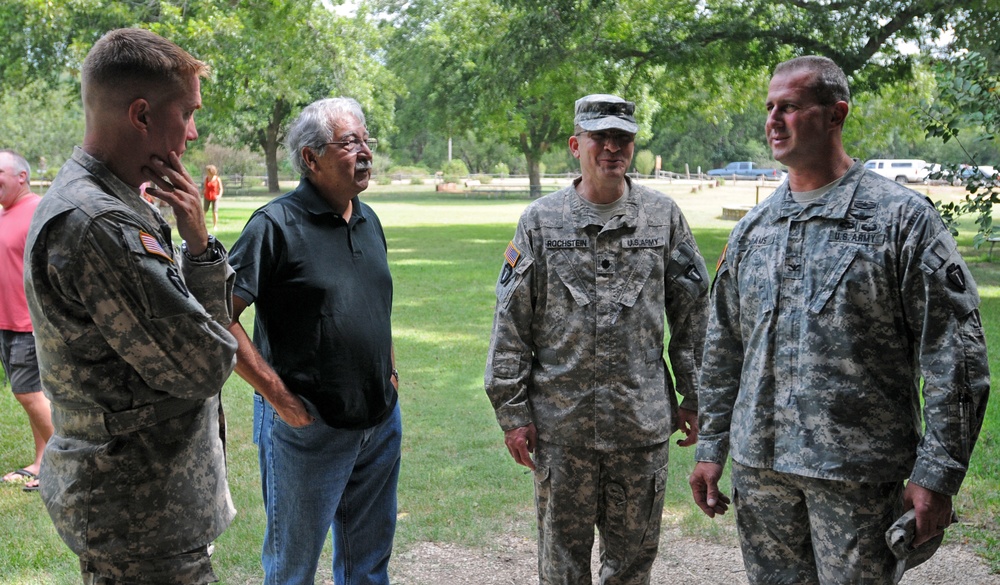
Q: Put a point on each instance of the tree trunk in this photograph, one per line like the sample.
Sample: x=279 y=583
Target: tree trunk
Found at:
x=271 y=157
x=270 y=140
x=533 y=157
x=534 y=176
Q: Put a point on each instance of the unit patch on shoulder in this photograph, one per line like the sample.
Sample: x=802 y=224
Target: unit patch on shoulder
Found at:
x=152 y=246
x=956 y=277
x=510 y=256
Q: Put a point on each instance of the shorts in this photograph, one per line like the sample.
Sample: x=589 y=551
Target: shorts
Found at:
x=20 y=362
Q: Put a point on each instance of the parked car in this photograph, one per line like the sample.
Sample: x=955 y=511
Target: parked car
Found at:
x=747 y=170
x=901 y=170
x=981 y=173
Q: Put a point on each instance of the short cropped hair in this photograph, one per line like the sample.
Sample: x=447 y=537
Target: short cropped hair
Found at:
x=829 y=83
x=134 y=58
x=20 y=163
x=314 y=128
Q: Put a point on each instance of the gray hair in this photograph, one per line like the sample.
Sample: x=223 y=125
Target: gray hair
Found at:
x=20 y=164
x=315 y=127
x=829 y=83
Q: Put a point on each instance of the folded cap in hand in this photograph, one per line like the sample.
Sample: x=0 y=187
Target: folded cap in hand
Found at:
x=899 y=537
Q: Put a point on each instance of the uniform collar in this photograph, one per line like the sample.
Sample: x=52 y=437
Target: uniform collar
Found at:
x=835 y=204
x=113 y=186
x=579 y=215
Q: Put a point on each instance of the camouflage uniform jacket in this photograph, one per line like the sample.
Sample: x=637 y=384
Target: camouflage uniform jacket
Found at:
x=824 y=320
x=577 y=343
x=133 y=349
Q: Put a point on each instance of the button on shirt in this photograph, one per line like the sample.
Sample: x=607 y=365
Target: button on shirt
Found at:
x=824 y=320
x=323 y=296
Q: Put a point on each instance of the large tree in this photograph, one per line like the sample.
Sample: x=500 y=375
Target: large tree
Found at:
x=967 y=98
x=514 y=66
x=465 y=71
x=43 y=122
x=270 y=58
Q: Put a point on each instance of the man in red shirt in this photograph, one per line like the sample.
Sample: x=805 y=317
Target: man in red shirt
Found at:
x=17 y=343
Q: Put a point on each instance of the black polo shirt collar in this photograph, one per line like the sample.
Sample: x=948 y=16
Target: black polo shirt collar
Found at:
x=314 y=203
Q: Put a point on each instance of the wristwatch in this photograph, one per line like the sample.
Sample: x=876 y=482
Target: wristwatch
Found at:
x=210 y=254
x=395 y=374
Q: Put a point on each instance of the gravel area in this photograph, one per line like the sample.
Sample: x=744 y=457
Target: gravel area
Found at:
x=684 y=561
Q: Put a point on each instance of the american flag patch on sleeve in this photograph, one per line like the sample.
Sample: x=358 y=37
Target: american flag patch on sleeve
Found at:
x=512 y=254
x=153 y=246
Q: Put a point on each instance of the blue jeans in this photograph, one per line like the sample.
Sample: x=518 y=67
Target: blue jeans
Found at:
x=316 y=478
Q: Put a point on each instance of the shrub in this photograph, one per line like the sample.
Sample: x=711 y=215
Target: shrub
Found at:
x=483 y=179
x=502 y=170
x=416 y=181
x=381 y=163
x=644 y=162
x=455 y=170
x=405 y=172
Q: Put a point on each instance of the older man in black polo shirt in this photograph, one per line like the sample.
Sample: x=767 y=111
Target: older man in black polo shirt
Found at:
x=326 y=418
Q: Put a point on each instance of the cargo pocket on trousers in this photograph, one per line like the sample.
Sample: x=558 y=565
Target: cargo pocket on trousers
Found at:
x=656 y=511
x=615 y=511
x=543 y=491
x=22 y=351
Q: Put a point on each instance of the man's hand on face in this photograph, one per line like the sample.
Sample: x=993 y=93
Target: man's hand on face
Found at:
x=173 y=184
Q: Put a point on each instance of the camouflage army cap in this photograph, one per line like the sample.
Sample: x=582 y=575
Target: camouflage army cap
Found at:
x=602 y=111
x=899 y=537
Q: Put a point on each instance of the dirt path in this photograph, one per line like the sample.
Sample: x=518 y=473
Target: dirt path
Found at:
x=682 y=561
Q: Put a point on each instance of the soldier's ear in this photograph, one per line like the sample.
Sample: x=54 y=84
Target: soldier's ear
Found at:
x=574 y=146
x=839 y=113
x=138 y=113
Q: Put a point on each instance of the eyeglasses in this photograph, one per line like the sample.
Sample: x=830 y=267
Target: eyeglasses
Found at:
x=354 y=144
x=621 y=140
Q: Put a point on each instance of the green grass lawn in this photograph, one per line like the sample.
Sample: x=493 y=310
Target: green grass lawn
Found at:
x=458 y=484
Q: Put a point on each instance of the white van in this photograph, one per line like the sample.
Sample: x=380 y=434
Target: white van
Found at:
x=901 y=170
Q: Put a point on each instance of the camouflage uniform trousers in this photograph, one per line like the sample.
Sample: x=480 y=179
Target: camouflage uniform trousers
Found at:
x=621 y=492
x=802 y=530
x=190 y=568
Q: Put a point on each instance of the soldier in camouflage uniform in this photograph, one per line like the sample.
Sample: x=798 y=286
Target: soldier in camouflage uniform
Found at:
x=575 y=369
x=833 y=299
x=131 y=332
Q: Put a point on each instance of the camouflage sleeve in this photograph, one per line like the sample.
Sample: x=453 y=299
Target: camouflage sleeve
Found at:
x=686 y=287
x=134 y=295
x=211 y=283
x=942 y=310
x=721 y=367
x=508 y=361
